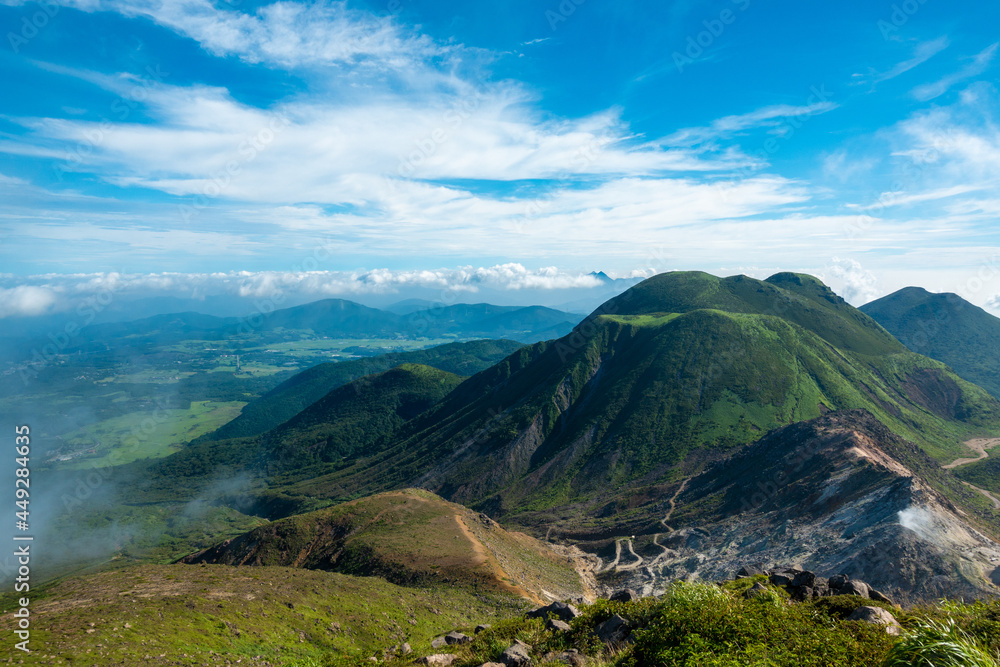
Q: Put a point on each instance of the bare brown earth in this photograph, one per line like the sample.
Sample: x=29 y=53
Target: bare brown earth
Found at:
x=979 y=446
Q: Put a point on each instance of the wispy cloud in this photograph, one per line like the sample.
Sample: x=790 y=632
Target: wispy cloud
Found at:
x=923 y=52
x=772 y=116
x=980 y=63
x=286 y=34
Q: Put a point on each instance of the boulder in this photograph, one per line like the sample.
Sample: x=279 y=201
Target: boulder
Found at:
x=837 y=582
x=482 y=626
x=517 y=654
x=804 y=578
x=570 y=657
x=438 y=660
x=438 y=642
x=625 y=595
x=855 y=587
x=876 y=616
x=750 y=571
x=781 y=578
x=405 y=649
x=613 y=631
x=457 y=638
x=556 y=625
x=879 y=597
x=561 y=610
x=492 y=664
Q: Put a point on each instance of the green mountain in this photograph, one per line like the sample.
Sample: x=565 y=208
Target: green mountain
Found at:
x=671 y=374
x=349 y=420
x=353 y=420
x=305 y=388
x=945 y=327
x=408 y=537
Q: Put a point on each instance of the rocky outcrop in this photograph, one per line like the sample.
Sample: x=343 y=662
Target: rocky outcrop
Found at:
x=840 y=494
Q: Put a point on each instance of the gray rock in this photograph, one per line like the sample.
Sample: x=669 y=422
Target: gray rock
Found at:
x=750 y=571
x=438 y=660
x=438 y=642
x=570 y=657
x=876 y=616
x=457 y=638
x=492 y=664
x=556 y=625
x=804 y=578
x=781 y=578
x=613 y=631
x=405 y=649
x=878 y=596
x=517 y=655
x=838 y=581
x=561 y=610
x=858 y=588
x=625 y=595
x=482 y=626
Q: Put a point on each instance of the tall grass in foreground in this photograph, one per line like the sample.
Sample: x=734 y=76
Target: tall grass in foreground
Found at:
x=939 y=644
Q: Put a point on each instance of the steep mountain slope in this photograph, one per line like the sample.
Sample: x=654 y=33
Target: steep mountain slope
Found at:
x=350 y=419
x=305 y=388
x=668 y=375
x=407 y=537
x=837 y=494
x=353 y=420
x=945 y=327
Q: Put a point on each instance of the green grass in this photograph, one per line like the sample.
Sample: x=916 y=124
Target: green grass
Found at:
x=191 y=615
x=146 y=435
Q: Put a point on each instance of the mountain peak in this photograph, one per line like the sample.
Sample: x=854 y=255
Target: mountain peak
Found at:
x=797 y=298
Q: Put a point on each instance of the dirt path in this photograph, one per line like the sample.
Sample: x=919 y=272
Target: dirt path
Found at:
x=996 y=501
x=979 y=446
x=673 y=504
x=631 y=566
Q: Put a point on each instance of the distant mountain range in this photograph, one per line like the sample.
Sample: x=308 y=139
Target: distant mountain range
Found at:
x=332 y=318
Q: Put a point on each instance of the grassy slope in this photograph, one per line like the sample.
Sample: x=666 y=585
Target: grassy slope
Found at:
x=947 y=328
x=298 y=392
x=407 y=537
x=217 y=615
x=666 y=386
x=354 y=419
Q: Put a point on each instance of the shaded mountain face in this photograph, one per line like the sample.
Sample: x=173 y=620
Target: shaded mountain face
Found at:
x=837 y=494
x=407 y=537
x=675 y=372
x=351 y=420
x=356 y=419
x=303 y=389
x=945 y=327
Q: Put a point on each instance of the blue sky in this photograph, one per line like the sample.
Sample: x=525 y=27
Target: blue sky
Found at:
x=172 y=143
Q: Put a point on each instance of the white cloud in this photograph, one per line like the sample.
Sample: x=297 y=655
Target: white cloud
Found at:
x=979 y=64
x=857 y=285
x=774 y=116
x=286 y=34
x=26 y=300
x=923 y=52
